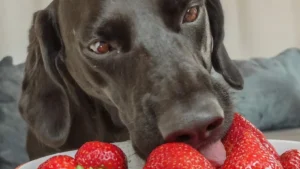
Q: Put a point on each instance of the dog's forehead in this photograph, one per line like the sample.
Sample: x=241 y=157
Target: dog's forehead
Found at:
x=83 y=16
x=77 y=15
x=79 y=10
x=82 y=20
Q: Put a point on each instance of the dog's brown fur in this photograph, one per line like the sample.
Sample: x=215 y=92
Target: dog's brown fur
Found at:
x=71 y=95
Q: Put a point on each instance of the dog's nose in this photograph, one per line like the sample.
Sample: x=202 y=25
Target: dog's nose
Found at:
x=198 y=131
x=194 y=124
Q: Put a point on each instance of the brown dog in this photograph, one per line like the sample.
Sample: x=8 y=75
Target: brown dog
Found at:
x=111 y=70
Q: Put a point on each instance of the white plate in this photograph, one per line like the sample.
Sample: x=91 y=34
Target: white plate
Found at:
x=134 y=162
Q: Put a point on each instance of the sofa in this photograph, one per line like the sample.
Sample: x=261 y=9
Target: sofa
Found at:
x=270 y=100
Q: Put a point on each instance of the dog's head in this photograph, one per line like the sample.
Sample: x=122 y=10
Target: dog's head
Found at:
x=150 y=59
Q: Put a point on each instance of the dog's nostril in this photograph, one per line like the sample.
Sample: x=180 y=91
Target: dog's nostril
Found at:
x=183 y=138
x=215 y=124
x=197 y=132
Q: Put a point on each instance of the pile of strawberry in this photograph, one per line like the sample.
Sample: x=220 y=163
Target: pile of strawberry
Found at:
x=91 y=155
x=246 y=148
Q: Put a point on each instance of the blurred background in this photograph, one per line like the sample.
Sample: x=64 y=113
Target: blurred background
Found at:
x=254 y=28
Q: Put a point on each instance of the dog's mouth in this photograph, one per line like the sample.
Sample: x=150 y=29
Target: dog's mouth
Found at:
x=215 y=153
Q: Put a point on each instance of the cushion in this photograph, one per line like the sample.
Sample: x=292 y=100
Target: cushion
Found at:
x=271 y=95
x=12 y=127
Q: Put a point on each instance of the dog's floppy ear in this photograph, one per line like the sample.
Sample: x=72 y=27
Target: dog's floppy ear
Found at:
x=220 y=59
x=44 y=103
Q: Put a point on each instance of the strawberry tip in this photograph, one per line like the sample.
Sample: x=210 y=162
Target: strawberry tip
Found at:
x=79 y=167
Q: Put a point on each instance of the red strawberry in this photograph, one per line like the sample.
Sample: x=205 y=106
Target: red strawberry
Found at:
x=240 y=125
x=176 y=156
x=290 y=159
x=59 y=162
x=97 y=155
x=250 y=153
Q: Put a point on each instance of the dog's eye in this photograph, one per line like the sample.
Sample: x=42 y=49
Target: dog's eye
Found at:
x=191 y=14
x=101 y=47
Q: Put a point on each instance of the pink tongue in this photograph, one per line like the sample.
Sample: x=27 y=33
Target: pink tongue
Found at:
x=215 y=153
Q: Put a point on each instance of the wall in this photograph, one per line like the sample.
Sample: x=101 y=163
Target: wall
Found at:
x=261 y=28
x=15 y=20
x=254 y=28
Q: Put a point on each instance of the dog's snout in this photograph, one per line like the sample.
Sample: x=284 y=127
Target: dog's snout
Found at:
x=192 y=123
x=195 y=133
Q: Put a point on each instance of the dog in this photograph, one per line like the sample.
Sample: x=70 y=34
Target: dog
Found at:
x=113 y=70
